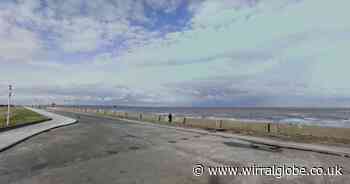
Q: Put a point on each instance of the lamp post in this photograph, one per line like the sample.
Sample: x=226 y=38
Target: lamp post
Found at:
x=9 y=106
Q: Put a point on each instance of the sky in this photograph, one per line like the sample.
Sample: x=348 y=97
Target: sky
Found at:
x=176 y=52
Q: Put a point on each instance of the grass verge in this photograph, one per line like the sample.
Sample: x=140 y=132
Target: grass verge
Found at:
x=20 y=116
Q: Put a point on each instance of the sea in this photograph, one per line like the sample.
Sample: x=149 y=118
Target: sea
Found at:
x=326 y=117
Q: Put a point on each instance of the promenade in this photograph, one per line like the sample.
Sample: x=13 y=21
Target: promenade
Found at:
x=107 y=150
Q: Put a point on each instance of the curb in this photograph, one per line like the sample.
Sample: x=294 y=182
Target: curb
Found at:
x=23 y=125
x=17 y=135
x=2 y=149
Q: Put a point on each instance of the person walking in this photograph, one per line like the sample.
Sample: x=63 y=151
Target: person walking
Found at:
x=170 y=117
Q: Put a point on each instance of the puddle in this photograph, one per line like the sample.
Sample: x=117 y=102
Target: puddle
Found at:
x=39 y=166
x=133 y=148
x=112 y=152
x=122 y=172
x=130 y=135
x=254 y=146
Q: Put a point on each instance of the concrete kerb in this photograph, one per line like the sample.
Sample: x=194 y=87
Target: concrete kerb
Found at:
x=23 y=125
x=13 y=137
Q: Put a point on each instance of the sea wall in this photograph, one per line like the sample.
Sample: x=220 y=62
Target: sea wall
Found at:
x=259 y=128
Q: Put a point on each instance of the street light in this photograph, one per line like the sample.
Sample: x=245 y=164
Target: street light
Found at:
x=8 y=106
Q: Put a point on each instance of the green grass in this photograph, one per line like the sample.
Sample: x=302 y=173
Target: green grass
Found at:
x=20 y=116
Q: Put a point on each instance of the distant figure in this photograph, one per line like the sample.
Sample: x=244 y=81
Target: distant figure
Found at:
x=170 y=117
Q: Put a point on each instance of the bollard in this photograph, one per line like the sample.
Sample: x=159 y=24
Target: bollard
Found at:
x=220 y=124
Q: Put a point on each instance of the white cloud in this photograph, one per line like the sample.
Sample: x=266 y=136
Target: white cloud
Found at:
x=81 y=26
x=274 y=41
x=80 y=35
x=274 y=46
x=17 y=44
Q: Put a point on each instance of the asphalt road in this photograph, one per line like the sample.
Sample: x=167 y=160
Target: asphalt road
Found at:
x=102 y=150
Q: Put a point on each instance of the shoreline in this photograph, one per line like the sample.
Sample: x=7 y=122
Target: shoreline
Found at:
x=323 y=117
x=286 y=132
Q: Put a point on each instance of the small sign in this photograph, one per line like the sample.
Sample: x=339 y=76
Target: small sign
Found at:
x=10 y=90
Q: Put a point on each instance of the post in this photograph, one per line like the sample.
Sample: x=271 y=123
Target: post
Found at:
x=9 y=106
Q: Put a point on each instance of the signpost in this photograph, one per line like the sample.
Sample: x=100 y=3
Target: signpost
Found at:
x=9 y=106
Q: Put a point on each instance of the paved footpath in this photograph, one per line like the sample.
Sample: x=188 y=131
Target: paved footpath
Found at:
x=15 y=136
